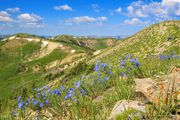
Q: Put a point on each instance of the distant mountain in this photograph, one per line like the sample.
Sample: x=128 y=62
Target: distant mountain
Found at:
x=87 y=42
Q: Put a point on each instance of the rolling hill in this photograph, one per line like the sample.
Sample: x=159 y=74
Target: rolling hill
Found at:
x=86 y=77
x=31 y=57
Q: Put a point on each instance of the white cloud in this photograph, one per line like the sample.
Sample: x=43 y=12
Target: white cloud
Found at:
x=30 y=20
x=63 y=8
x=119 y=10
x=85 y=19
x=172 y=6
x=95 y=7
x=16 y=9
x=101 y=19
x=5 y=17
x=165 y=9
x=135 y=21
x=137 y=9
x=26 y=17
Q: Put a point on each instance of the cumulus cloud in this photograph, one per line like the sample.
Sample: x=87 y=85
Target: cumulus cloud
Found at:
x=26 y=17
x=12 y=10
x=137 y=9
x=63 y=8
x=5 y=17
x=30 y=20
x=165 y=9
x=85 y=19
x=135 y=21
x=172 y=6
x=119 y=10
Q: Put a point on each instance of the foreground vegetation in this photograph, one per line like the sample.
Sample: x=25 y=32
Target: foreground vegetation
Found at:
x=80 y=97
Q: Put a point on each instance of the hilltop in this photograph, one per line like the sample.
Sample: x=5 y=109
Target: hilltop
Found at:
x=156 y=39
x=86 y=78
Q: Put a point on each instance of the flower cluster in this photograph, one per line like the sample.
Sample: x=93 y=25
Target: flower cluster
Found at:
x=43 y=97
x=168 y=57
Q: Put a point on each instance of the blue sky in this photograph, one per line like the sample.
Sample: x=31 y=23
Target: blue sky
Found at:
x=84 y=17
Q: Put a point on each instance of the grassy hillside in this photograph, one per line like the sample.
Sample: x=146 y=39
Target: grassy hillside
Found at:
x=23 y=56
x=90 y=88
x=86 y=43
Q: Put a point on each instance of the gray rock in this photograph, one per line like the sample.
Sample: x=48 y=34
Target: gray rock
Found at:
x=123 y=105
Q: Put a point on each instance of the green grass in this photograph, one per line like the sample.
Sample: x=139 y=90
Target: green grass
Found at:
x=57 y=54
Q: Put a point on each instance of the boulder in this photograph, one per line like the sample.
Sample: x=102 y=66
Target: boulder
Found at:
x=147 y=88
x=170 y=85
x=123 y=105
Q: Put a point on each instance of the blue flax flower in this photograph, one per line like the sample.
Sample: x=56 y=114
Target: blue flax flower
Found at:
x=35 y=102
x=106 y=78
x=41 y=105
x=83 y=92
x=20 y=105
x=104 y=65
x=47 y=101
x=57 y=92
x=96 y=67
x=77 y=84
x=19 y=98
x=68 y=96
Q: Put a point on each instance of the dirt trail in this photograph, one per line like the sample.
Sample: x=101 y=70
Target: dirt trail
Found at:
x=46 y=48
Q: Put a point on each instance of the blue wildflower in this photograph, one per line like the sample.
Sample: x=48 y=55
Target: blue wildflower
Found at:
x=47 y=101
x=44 y=87
x=57 y=92
x=38 y=94
x=71 y=90
x=83 y=92
x=41 y=105
x=110 y=72
x=104 y=65
x=96 y=67
x=123 y=63
x=43 y=94
x=20 y=105
x=137 y=63
x=49 y=90
x=77 y=84
x=83 y=76
x=106 y=78
x=27 y=103
x=62 y=88
x=14 y=113
x=35 y=102
x=69 y=95
x=164 y=57
x=19 y=98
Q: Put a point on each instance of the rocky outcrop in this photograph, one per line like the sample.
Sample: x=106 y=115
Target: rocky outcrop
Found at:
x=170 y=85
x=123 y=105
